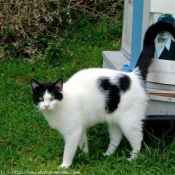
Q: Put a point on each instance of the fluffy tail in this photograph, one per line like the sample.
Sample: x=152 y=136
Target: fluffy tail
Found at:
x=147 y=53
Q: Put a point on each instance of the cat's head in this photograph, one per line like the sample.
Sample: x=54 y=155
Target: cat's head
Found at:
x=47 y=95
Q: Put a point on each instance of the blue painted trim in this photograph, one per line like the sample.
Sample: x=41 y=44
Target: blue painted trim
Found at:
x=136 y=31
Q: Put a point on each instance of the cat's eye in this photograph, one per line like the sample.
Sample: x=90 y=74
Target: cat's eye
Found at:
x=41 y=98
x=52 y=98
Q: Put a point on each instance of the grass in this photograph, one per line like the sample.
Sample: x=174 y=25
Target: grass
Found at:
x=28 y=144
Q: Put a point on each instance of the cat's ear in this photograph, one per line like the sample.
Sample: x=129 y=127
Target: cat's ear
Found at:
x=34 y=84
x=59 y=85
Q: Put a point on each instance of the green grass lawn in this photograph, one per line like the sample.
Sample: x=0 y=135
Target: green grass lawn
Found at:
x=28 y=144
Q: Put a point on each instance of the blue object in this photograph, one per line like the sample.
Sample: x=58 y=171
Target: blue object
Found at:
x=126 y=68
x=136 y=31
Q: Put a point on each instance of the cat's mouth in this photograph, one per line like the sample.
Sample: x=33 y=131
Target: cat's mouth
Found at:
x=47 y=109
x=44 y=109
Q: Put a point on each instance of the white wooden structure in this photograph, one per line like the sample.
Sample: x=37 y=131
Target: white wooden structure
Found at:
x=137 y=18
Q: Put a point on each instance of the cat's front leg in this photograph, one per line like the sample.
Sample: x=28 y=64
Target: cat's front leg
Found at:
x=71 y=144
x=83 y=143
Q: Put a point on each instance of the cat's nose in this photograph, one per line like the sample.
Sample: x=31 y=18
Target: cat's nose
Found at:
x=46 y=106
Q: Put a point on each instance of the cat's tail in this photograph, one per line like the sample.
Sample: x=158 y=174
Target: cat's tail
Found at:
x=147 y=54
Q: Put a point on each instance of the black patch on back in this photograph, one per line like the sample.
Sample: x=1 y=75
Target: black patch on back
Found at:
x=124 y=83
x=112 y=94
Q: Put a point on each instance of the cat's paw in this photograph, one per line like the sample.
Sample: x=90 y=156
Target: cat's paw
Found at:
x=63 y=165
x=106 y=154
x=131 y=158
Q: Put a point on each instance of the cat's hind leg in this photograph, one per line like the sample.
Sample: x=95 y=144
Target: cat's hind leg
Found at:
x=133 y=132
x=115 y=134
x=83 y=143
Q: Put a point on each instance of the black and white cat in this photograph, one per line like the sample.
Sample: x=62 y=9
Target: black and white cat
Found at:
x=97 y=95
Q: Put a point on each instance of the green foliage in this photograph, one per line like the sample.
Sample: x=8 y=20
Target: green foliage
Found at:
x=27 y=144
x=52 y=52
x=30 y=28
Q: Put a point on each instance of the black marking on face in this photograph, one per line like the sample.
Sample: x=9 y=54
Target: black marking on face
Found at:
x=39 y=89
x=111 y=92
x=124 y=83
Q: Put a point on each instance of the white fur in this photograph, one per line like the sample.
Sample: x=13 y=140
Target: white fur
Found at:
x=83 y=105
x=47 y=102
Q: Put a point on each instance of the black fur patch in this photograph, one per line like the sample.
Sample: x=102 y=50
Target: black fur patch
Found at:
x=124 y=83
x=40 y=90
x=112 y=94
x=37 y=93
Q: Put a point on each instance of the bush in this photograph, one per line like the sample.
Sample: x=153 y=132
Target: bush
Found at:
x=28 y=27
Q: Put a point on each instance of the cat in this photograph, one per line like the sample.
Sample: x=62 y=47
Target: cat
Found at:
x=98 y=95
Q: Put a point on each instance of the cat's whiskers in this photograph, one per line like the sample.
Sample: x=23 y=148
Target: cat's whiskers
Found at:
x=54 y=110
